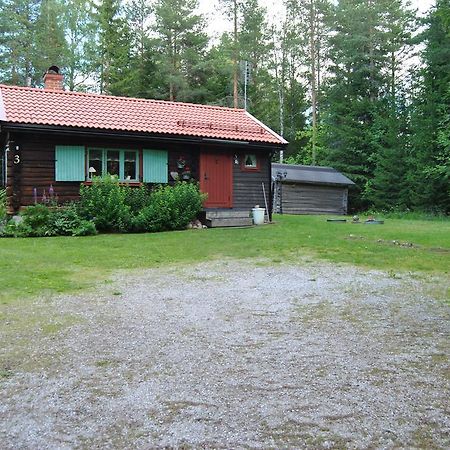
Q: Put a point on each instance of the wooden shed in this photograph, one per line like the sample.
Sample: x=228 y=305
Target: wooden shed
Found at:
x=309 y=190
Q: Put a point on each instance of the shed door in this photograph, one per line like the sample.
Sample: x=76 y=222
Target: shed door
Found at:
x=216 y=179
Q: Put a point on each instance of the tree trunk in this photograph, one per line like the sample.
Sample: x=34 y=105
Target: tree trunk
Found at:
x=235 y=59
x=312 y=48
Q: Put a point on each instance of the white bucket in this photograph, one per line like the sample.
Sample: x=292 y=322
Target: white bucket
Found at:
x=258 y=215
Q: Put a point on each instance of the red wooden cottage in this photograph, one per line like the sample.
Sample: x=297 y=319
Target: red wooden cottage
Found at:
x=51 y=137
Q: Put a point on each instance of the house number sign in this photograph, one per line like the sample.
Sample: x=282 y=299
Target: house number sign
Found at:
x=16 y=159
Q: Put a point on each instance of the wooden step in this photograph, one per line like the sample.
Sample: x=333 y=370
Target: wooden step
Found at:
x=227 y=213
x=229 y=222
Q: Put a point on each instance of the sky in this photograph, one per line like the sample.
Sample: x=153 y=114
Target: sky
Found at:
x=217 y=23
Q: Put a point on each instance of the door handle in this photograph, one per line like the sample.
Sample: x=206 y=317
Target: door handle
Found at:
x=205 y=177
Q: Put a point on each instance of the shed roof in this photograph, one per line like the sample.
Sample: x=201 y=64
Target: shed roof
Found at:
x=310 y=174
x=23 y=105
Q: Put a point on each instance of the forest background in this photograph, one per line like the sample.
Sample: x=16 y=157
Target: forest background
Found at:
x=359 y=85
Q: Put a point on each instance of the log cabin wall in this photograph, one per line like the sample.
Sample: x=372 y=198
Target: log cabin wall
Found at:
x=36 y=169
x=247 y=184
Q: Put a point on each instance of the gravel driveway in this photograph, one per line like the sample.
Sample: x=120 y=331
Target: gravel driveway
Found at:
x=231 y=355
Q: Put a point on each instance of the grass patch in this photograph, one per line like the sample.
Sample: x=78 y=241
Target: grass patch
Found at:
x=32 y=266
x=5 y=374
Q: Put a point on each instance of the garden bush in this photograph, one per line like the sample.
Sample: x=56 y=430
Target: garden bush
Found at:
x=105 y=204
x=2 y=206
x=137 y=198
x=170 y=208
x=40 y=220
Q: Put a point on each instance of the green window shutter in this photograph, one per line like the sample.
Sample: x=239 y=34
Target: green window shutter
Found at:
x=155 y=166
x=70 y=163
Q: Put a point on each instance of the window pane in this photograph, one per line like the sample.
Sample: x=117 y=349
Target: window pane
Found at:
x=130 y=166
x=250 y=160
x=112 y=162
x=95 y=162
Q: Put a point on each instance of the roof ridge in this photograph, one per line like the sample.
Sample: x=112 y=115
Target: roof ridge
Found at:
x=120 y=98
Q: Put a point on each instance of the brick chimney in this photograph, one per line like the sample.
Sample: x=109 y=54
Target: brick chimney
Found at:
x=53 y=79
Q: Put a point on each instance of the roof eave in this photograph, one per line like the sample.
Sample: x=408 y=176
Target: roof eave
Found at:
x=13 y=126
x=325 y=183
x=269 y=130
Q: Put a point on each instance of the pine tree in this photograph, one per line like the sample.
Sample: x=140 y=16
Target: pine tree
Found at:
x=144 y=79
x=182 y=44
x=232 y=9
x=254 y=50
x=306 y=33
x=430 y=174
x=49 y=44
x=289 y=85
x=80 y=36
x=113 y=48
x=218 y=69
x=17 y=28
x=362 y=90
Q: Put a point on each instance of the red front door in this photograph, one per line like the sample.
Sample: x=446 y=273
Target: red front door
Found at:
x=216 y=179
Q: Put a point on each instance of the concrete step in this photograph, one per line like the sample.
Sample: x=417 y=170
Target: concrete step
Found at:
x=227 y=213
x=229 y=222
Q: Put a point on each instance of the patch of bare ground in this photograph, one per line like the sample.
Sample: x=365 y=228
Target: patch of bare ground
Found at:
x=229 y=355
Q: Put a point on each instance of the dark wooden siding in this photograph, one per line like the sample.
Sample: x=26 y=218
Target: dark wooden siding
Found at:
x=314 y=199
x=37 y=164
x=247 y=185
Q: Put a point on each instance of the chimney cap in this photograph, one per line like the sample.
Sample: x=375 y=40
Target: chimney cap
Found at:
x=53 y=69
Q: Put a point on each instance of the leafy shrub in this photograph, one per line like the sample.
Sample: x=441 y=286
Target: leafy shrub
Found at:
x=105 y=204
x=40 y=220
x=408 y=214
x=137 y=198
x=170 y=208
x=2 y=205
x=67 y=222
x=36 y=221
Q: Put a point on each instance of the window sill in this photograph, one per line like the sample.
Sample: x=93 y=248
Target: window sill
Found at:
x=121 y=183
x=250 y=169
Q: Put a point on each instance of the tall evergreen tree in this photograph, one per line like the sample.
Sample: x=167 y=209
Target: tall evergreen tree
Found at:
x=182 y=41
x=144 y=80
x=308 y=22
x=49 y=43
x=287 y=66
x=80 y=36
x=361 y=51
x=430 y=174
x=232 y=9
x=218 y=70
x=17 y=28
x=254 y=50
x=113 y=48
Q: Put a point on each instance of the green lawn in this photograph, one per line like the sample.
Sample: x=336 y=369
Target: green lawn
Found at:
x=32 y=266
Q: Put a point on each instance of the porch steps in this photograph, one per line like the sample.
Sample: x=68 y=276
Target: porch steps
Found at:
x=228 y=218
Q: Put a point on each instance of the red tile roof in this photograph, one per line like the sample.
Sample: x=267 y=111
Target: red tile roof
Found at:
x=73 y=109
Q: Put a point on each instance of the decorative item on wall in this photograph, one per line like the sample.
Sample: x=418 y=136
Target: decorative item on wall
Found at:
x=186 y=174
x=181 y=162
